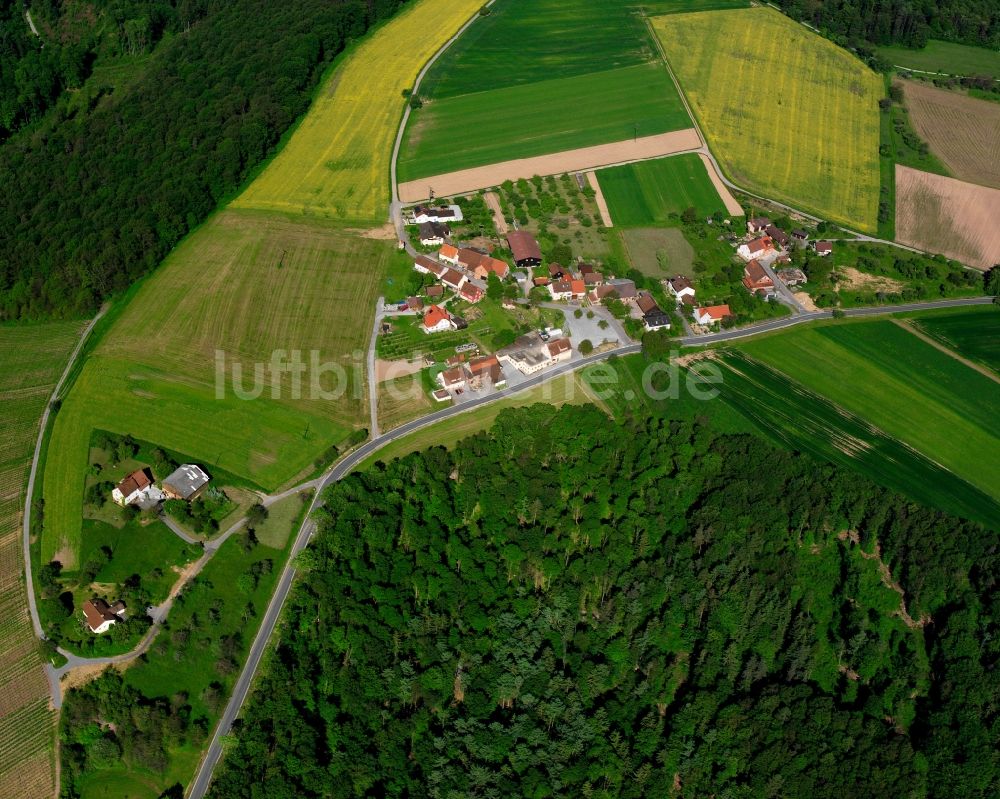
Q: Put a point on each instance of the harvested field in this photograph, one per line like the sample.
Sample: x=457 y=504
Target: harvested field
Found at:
x=336 y=164
x=390 y=370
x=962 y=131
x=578 y=160
x=948 y=216
x=401 y=400
x=813 y=140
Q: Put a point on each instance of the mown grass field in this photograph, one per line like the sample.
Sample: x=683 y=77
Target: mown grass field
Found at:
x=249 y=285
x=547 y=116
x=646 y=245
x=336 y=164
x=646 y=193
x=973 y=333
x=801 y=419
x=565 y=389
x=947 y=57
x=525 y=42
x=31 y=359
x=913 y=392
x=787 y=113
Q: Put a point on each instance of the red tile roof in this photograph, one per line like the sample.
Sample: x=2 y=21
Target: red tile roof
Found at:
x=136 y=481
x=434 y=315
x=717 y=312
x=578 y=287
x=523 y=245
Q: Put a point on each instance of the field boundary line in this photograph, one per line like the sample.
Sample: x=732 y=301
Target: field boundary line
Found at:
x=913 y=329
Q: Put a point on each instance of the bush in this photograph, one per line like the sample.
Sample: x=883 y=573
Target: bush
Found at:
x=586 y=347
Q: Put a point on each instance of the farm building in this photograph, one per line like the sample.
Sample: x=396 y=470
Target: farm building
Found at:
x=755 y=248
x=433 y=233
x=132 y=488
x=486 y=368
x=444 y=213
x=525 y=248
x=713 y=314
x=99 y=615
x=777 y=235
x=593 y=279
x=755 y=278
x=437 y=320
x=186 y=482
x=800 y=235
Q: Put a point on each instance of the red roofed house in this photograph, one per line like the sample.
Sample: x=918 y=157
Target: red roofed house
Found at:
x=428 y=266
x=486 y=367
x=756 y=279
x=824 y=248
x=99 y=615
x=560 y=289
x=132 y=487
x=540 y=281
x=453 y=279
x=578 y=289
x=680 y=287
x=488 y=264
x=711 y=315
x=525 y=248
x=449 y=254
x=471 y=293
x=437 y=319
x=560 y=349
x=454 y=377
x=556 y=271
x=755 y=249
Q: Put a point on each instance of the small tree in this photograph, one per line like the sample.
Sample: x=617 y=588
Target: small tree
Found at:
x=416 y=102
x=586 y=347
x=494 y=287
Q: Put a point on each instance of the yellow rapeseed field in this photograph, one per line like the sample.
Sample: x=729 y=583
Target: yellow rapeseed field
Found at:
x=788 y=114
x=336 y=164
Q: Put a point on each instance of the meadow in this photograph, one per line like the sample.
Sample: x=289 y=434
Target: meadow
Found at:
x=973 y=333
x=786 y=112
x=647 y=247
x=648 y=192
x=902 y=385
x=32 y=356
x=547 y=116
x=947 y=57
x=247 y=284
x=336 y=163
x=963 y=132
x=521 y=42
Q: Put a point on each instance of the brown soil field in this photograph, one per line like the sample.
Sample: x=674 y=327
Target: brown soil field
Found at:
x=948 y=216
x=962 y=131
x=732 y=206
x=602 y=204
x=578 y=160
x=853 y=279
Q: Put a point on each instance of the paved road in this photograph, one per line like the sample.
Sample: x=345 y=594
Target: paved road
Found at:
x=26 y=524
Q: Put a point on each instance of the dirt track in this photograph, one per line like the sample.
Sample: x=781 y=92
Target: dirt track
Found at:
x=728 y=200
x=579 y=160
x=602 y=204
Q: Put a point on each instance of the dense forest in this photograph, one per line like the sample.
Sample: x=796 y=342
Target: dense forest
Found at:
x=905 y=22
x=96 y=195
x=567 y=606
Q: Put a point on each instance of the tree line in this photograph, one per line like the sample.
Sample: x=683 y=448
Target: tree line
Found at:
x=95 y=196
x=568 y=606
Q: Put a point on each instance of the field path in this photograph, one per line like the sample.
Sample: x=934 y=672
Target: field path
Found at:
x=602 y=204
x=493 y=203
x=578 y=160
x=725 y=195
x=909 y=327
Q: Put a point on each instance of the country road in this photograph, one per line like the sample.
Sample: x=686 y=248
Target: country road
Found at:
x=203 y=778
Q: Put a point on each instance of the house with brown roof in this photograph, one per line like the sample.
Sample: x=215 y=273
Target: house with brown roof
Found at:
x=433 y=233
x=560 y=349
x=99 y=615
x=434 y=291
x=471 y=293
x=492 y=265
x=680 y=287
x=414 y=304
x=777 y=234
x=438 y=320
x=556 y=271
x=486 y=368
x=653 y=317
x=624 y=288
x=824 y=248
x=428 y=266
x=132 y=487
x=560 y=290
x=757 y=224
x=712 y=314
x=756 y=279
x=592 y=279
x=525 y=248
x=645 y=302
x=453 y=279
x=453 y=378
x=757 y=248
x=540 y=281
x=469 y=258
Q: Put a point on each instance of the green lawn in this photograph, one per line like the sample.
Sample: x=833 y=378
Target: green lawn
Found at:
x=147 y=550
x=948 y=57
x=548 y=116
x=645 y=193
x=902 y=385
x=282 y=520
x=973 y=333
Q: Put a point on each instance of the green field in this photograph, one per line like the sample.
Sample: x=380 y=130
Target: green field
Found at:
x=32 y=356
x=803 y=420
x=972 y=333
x=547 y=116
x=524 y=41
x=902 y=385
x=248 y=285
x=647 y=246
x=947 y=57
x=648 y=192
x=787 y=113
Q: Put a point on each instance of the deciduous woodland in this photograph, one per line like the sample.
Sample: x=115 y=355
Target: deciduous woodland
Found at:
x=566 y=606
x=97 y=195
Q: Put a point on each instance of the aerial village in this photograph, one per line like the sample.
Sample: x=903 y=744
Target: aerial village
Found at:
x=563 y=311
